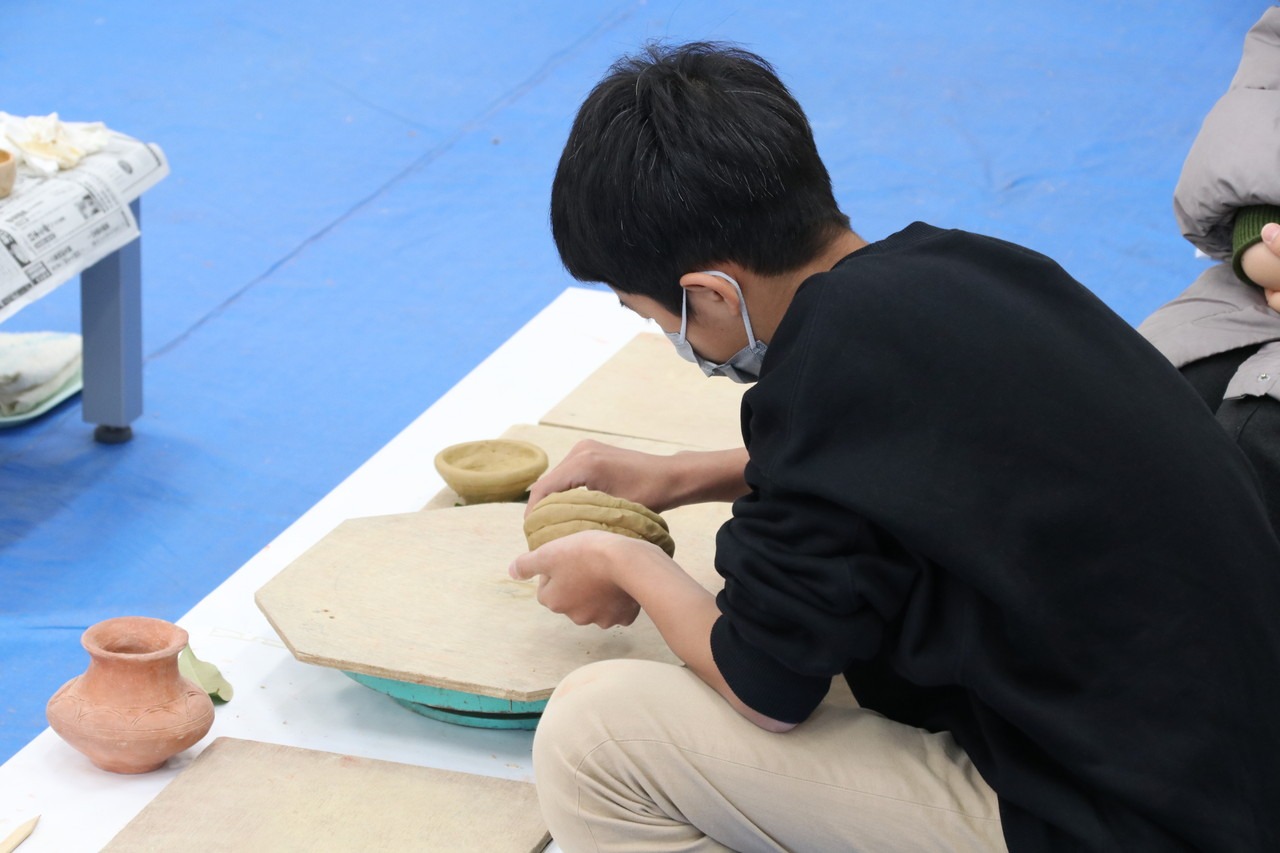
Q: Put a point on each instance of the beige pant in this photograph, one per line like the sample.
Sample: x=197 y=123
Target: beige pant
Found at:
x=644 y=757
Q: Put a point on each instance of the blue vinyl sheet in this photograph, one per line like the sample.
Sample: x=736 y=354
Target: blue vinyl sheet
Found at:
x=357 y=215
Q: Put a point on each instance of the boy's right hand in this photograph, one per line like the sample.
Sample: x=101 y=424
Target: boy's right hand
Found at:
x=1261 y=263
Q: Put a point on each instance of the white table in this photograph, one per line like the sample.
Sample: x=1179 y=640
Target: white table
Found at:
x=279 y=700
x=73 y=224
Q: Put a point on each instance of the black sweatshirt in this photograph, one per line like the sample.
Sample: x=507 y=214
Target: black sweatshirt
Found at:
x=997 y=510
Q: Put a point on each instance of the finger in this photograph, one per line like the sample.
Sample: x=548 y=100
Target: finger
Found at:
x=574 y=470
x=563 y=477
x=548 y=596
x=523 y=567
x=582 y=446
x=544 y=596
x=623 y=617
x=1270 y=232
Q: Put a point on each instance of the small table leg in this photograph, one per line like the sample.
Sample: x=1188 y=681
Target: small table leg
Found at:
x=111 y=325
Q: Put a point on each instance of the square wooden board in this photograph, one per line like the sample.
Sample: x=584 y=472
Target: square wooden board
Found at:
x=242 y=795
x=647 y=391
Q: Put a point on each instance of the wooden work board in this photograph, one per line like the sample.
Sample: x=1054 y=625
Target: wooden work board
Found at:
x=425 y=598
x=241 y=795
x=647 y=391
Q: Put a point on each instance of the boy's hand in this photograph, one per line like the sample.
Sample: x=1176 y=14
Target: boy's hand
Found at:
x=576 y=577
x=628 y=474
x=1261 y=263
x=598 y=578
x=656 y=481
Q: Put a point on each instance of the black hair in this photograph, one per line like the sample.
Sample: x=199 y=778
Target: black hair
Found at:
x=682 y=157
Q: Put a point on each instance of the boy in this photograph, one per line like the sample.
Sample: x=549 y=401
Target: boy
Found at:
x=967 y=486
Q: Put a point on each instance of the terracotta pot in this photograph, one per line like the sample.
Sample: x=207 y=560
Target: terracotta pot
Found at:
x=131 y=710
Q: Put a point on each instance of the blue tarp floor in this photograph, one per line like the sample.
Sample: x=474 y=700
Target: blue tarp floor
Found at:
x=357 y=215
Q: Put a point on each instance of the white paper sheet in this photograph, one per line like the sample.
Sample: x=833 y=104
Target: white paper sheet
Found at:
x=51 y=228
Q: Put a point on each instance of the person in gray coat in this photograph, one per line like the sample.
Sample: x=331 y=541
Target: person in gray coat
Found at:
x=1223 y=332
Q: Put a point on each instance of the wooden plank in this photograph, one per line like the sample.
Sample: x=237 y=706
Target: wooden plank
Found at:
x=557 y=442
x=425 y=598
x=647 y=391
x=243 y=795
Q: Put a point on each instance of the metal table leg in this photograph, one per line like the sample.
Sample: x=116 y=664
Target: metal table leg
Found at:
x=111 y=325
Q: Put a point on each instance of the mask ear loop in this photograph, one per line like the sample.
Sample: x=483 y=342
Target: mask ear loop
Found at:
x=742 y=307
x=684 y=313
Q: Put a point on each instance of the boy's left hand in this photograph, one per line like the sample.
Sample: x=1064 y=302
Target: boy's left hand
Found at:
x=576 y=577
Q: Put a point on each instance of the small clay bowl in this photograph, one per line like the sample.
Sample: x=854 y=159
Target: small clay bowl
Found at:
x=8 y=172
x=491 y=471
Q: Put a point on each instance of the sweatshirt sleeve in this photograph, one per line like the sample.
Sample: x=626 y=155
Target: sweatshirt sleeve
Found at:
x=808 y=590
x=1247 y=232
x=1235 y=159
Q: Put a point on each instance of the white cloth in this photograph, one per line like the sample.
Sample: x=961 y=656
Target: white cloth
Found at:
x=47 y=144
x=34 y=366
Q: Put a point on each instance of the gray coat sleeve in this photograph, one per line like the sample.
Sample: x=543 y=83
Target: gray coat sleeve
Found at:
x=1235 y=160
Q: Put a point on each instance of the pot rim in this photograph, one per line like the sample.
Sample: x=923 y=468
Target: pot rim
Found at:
x=173 y=637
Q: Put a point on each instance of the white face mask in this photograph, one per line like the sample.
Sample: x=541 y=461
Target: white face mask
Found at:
x=744 y=366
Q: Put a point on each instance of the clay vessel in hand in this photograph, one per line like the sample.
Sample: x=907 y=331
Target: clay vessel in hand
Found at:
x=131 y=710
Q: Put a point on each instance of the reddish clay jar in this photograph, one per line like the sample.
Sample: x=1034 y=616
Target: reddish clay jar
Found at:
x=131 y=711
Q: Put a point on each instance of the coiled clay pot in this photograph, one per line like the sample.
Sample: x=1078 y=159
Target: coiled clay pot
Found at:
x=131 y=711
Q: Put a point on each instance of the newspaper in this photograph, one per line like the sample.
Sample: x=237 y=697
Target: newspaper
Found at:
x=52 y=228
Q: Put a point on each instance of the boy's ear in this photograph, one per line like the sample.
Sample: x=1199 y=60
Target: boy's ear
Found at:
x=709 y=292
